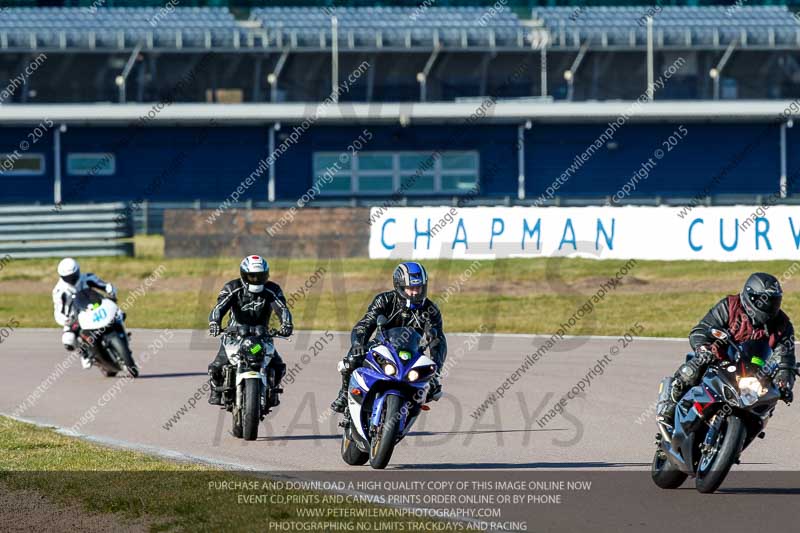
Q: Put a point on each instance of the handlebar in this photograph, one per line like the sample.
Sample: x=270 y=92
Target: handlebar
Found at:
x=255 y=331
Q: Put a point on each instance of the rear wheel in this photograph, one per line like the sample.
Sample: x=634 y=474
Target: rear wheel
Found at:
x=251 y=409
x=721 y=451
x=665 y=474
x=351 y=453
x=384 y=440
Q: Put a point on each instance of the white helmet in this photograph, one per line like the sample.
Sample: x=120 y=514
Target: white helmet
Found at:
x=254 y=271
x=69 y=270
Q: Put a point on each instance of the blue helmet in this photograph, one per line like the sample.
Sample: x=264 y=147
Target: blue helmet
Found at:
x=411 y=283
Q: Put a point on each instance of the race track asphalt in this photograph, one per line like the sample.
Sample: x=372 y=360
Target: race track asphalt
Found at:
x=603 y=443
x=609 y=427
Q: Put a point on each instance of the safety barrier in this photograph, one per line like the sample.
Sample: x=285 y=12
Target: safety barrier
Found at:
x=70 y=230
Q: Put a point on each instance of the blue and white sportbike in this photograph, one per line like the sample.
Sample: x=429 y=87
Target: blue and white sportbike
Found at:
x=100 y=325
x=385 y=395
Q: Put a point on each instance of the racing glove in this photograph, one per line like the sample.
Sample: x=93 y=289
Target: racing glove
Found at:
x=213 y=329
x=784 y=380
x=354 y=358
x=707 y=354
x=111 y=291
x=285 y=330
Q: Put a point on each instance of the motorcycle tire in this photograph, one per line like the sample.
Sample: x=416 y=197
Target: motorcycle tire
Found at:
x=733 y=434
x=351 y=453
x=383 y=442
x=123 y=354
x=665 y=474
x=251 y=409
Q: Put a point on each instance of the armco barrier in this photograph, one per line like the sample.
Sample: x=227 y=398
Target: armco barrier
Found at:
x=75 y=230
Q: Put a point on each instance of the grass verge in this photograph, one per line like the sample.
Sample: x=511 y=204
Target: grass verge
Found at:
x=170 y=496
x=510 y=295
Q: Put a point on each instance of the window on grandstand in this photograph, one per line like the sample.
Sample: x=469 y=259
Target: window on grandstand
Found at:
x=15 y=164
x=91 y=164
x=381 y=173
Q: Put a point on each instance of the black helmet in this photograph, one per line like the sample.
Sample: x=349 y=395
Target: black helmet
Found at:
x=761 y=297
x=254 y=271
x=411 y=276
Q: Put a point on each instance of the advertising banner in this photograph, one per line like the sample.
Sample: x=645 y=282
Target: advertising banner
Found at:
x=735 y=233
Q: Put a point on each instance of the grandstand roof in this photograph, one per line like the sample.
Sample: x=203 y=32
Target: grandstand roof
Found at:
x=404 y=113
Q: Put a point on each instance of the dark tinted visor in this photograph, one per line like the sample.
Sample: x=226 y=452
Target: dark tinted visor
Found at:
x=255 y=278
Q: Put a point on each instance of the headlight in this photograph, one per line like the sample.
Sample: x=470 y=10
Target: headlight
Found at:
x=389 y=369
x=420 y=372
x=751 y=390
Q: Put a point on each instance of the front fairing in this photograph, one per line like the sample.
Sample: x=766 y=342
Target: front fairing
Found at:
x=98 y=315
x=717 y=392
x=371 y=384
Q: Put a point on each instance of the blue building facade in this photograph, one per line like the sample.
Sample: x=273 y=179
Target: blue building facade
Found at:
x=206 y=163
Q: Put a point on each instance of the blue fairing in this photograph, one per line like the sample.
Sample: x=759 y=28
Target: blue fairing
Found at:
x=376 y=385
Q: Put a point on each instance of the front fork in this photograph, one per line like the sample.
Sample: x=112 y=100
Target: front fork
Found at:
x=231 y=392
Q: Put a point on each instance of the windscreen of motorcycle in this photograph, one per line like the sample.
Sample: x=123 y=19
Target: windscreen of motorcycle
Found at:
x=404 y=339
x=94 y=311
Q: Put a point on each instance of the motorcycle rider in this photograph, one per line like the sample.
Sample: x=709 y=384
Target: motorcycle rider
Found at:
x=753 y=314
x=71 y=282
x=251 y=299
x=406 y=306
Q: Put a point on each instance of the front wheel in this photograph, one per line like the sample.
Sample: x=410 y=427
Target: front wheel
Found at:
x=123 y=354
x=251 y=409
x=721 y=452
x=382 y=445
x=665 y=474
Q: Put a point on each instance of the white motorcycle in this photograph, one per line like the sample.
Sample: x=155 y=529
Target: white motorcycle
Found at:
x=102 y=332
x=249 y=387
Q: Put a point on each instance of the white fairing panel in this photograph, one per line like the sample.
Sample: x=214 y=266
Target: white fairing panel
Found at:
x=423 y=361
x=384 y=351
x=355 y=407
x=231 y=348
x=100 y=317
x=355 y=415
x=251 y=375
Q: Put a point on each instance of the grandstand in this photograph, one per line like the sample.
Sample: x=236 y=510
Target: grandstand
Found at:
x=550 y=78
x=430 y=52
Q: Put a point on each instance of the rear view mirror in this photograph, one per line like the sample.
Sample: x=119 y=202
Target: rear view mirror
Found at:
x=381 y=321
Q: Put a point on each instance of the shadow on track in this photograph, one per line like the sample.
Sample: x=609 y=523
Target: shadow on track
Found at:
x=412 y=434
x=277 y=438
x=174 y=375
x=760 y=490
x=515 y=466
x=484 y=432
